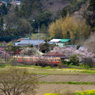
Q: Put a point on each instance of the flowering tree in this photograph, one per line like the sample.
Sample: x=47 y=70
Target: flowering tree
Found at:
x=31 y=51
x=81 y=53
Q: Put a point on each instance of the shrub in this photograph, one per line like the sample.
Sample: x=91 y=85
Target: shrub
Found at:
x=88 y=62
x=86 y=92
x=74 y=59
x=2 y=65
x=60 y=65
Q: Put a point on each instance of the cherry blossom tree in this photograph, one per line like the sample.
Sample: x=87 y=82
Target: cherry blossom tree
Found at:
x=81 y=53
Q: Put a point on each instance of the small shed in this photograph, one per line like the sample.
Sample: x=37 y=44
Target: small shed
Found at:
x=56 y=54
x=55 y=41
x=60 y=42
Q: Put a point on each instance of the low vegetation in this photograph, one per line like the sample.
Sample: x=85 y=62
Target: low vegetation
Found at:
x=86 y=92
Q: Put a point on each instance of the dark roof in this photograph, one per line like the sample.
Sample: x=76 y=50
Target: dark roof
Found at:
x=31 y=41
x=56 y=54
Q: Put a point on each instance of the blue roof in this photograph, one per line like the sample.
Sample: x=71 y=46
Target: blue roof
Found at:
x=3 y=2
x=31 y=41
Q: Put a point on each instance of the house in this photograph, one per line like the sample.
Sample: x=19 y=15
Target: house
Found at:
x=3 y=2
x=60 y=42
x=16 y=3
x=56 y=54
x=20 y=40
x=26 y=42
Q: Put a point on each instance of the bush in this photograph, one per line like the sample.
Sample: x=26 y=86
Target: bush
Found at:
x=2 y=65
x=86 y=92
x=60 y=65
x=74 y=59
x=88 y=62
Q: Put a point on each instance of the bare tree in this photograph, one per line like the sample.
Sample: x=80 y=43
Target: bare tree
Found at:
x=15 y=81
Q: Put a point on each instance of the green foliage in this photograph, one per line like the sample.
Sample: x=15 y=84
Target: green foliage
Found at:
x=3 y=9
x=86 y=92
x=28 y=7
x=9 y=46
x=90 y=17
x=74 y=5
x=11 y=32
x=63 y=12
x=1 y=23
x=91 y=6
x=30 y=46
x=43 y=28
x=2 y=65
x=46 y=45
x=43 y=18
x=74 y=59
x=24 y=27
x=31 y=9
x=16 y=10
x=66 y=62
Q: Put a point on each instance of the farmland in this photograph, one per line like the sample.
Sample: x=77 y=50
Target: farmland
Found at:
x=62 y=80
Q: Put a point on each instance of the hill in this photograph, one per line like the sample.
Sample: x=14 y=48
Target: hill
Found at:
x=43 y=12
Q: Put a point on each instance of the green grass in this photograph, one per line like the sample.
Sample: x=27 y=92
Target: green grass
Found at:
x=69 y=82
x=49 y=70
x=41 y=35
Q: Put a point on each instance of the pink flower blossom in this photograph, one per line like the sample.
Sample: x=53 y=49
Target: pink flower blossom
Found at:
x=81 y=53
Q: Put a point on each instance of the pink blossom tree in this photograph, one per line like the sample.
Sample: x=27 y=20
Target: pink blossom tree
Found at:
x=81 y=53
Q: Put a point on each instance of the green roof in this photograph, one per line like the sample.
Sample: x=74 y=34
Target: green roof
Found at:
x=64 y=40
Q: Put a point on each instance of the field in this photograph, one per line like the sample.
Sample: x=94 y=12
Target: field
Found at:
x=64 y=80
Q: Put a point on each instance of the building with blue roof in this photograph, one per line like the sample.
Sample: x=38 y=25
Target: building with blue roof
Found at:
x=26 y=42
x=60 y=42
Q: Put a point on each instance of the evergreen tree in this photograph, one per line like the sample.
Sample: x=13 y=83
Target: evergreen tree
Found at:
x=16 y=11
x=92 y=5
x=63 y=13
x=1 y=23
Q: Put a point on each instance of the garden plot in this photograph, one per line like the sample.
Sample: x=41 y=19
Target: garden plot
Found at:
x=63 y=88
x=67 y=78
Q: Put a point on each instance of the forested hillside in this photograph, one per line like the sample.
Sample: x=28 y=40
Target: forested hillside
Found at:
x=19 y=21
